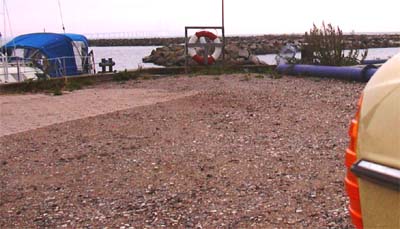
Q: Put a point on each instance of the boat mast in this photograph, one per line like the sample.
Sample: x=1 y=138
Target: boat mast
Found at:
x=4 y=57
x=61 y=15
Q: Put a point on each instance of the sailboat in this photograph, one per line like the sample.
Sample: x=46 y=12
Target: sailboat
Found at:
x=54 y=54
x=45 y=55
x=13 y=71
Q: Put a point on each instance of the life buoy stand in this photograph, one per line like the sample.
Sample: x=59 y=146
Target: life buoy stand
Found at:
x=199 y=58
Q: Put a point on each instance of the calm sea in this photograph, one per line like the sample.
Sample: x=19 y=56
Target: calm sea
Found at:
x=373 y=54
x=131 y=57
x=126 y=57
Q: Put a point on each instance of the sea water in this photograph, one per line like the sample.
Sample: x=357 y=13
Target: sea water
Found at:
x=373 y=54
x=130 y=57
x=125 y=57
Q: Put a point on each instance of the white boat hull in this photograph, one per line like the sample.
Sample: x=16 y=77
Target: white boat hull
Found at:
x=11 y=74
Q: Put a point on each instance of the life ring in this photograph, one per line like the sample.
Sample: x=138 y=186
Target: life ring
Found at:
x=199 y=58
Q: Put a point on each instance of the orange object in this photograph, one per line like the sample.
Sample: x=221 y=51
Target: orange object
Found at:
x=351 y=182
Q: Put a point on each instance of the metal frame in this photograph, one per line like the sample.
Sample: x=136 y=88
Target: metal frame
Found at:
x=206 y=46
x=377 y=173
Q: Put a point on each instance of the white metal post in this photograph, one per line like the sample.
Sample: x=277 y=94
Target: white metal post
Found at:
x=223 y=14
x=5 y=35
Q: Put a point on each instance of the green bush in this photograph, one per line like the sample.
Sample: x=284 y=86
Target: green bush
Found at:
x=125 y=75
x=74 y=84
x=57 y=92
x=54 y=85
x=121 y=76
x=326 y=46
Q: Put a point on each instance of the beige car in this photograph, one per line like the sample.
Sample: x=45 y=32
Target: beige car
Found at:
x=373 y=157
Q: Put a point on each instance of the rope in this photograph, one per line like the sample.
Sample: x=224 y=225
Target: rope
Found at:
x=62 y=19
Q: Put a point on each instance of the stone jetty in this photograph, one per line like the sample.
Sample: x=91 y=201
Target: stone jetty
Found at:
x=241 y=50
x=265 y=44
x=174 y=55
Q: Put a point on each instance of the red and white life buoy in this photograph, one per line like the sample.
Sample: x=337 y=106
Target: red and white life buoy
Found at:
x=198 y=58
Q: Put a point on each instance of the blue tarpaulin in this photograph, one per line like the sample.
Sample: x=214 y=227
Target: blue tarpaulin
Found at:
x=78 y=37
x=58 y=49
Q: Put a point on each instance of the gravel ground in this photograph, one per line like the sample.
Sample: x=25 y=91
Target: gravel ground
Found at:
x=240 y=152
x=26 y=112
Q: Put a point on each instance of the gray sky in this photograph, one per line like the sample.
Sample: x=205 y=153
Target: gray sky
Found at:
x=168 y=17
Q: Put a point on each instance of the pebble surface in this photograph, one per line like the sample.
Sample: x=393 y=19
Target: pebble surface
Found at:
x=244 y=151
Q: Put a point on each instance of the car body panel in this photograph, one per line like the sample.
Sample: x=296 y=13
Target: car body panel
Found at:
x=380 y=206
x=379 y=142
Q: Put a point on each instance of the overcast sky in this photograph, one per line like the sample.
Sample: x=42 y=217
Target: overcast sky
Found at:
x=168 y=17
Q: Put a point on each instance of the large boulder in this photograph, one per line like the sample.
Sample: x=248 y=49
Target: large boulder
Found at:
x=255 y=60
x=244 y=53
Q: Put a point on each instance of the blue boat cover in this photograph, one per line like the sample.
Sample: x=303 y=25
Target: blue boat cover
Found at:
x=58 y=48
x=78 y=37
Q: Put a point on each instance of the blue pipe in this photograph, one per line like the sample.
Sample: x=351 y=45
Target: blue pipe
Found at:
x=348 y=73
x=373 y=62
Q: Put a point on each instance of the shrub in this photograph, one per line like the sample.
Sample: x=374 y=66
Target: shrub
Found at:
x=72 y=85
x=125 y=75
x=54 y=85
x=122 y=76
x=326 y=46
x=57 y=92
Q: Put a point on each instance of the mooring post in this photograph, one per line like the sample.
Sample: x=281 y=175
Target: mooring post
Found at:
x=107 y=63
x=103 y=65
x=111 y=63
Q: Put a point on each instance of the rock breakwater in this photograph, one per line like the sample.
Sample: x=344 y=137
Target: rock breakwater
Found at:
x=174 y=55
x=259 y=45
x=240 y=50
